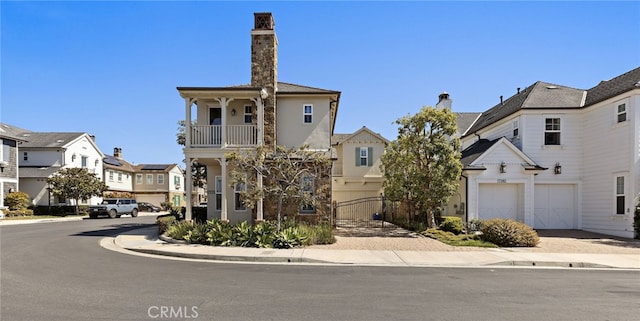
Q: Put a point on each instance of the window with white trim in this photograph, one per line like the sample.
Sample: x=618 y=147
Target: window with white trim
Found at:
x=307 y=183
x=552 y=131
x=160 y=179
x=516 y=129
x=238 y=189
x=83 y=161
x=621 y=114
x=248 y=114
x=110 y=176
x=149 y=179
x=307 y=114
x=138 y=178
x=177 y=181
x=218 y=190
x=6 y=150
x=620 y=199
x=364 y=156
x=119 y=177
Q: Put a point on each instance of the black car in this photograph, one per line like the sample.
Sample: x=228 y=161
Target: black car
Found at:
x=148 y=207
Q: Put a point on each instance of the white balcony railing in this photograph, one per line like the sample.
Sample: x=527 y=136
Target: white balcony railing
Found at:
x=236 y=135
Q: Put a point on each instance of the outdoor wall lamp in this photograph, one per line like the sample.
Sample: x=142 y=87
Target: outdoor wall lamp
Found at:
x=233 y=112
x=2 y=165
x=503 y=167
x=264 y=94
x=557 y=169
x=73 y=157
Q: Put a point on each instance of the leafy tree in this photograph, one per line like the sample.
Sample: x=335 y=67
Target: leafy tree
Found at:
x=77 y=184
x=291 y=176
x=198 y=171
x=422 y=166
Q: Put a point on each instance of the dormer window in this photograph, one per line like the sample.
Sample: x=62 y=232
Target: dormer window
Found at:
x=515 y=129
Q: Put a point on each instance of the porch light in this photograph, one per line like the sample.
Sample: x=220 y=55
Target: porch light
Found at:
x=264 y=94
x=503 y=167
x=557 y=169
x=233 y=112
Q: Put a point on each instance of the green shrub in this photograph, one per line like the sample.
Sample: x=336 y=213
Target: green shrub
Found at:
x=289 y=238
x=20 y=212
x=452 y=224
x=17 y=201
x=317 y=234
x=474 y=225
x=179 y=230
x=198 y=234
x=509 y=233
x=265 y=234
x=164 y=222
x=219 y=233
x=243 y=235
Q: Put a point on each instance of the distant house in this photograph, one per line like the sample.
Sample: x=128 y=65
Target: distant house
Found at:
x=356 y=170
x=118 y=173
x=265 y=112
x=159 y=183
x=43 y=154
x=9 y=182
x=556 y=157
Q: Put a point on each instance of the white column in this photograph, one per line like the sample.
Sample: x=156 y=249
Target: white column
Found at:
x=223 y=214
x=188 y=189
x=187 y=121
x=260 y=212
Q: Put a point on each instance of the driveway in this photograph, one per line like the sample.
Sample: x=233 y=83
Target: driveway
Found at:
x=551 y=241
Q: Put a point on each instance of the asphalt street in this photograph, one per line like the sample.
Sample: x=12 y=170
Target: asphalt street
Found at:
x=58 y=271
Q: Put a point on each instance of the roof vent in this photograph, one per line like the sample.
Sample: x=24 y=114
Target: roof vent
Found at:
x=552 y=87
x=500 y=100
x=638 y=84
x=60 y=141
x=518 y=90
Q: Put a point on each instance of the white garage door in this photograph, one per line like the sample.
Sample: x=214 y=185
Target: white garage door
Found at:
x=155 y=199
x=554 y=207
x=498 y=201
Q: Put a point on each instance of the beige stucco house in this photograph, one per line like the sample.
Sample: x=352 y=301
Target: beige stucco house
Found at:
x=356 y=170
x=265 y=112
x=158 y=183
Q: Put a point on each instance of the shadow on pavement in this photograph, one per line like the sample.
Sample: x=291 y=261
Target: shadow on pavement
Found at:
x=591 y=237
x=115 y=229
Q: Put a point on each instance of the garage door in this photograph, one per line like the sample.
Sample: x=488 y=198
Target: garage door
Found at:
x=155 y=199
x=498 y=201
x=554 y=207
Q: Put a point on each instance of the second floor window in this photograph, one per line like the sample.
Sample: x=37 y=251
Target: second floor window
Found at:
x=176 y=181
x=138 y=178
x=161 y=179
x=25 y=156
x=552 y=131
x=515 y=128
x=622 y=113
x=111 y=176
x=84 y=160
x=364 y=156
x=308 y=114
x=149 y=179
x=120 y=177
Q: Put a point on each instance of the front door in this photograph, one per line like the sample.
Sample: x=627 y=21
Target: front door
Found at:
x=215 y=120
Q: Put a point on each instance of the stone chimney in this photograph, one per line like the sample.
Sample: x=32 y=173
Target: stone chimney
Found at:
x=264 y=69
x=444 y=101
x=117 y=153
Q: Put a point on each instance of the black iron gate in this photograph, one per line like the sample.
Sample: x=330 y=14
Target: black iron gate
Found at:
x=362 y=212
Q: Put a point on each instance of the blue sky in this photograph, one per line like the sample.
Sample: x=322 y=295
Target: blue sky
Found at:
x=111 y=68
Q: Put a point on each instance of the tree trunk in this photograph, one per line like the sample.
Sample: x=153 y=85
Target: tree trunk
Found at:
x=279 y=209
x=76 y=208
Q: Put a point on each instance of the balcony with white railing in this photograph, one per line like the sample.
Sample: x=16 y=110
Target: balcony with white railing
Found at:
x=234 y=136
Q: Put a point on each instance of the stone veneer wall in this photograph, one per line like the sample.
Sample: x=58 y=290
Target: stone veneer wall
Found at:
x=264 y=74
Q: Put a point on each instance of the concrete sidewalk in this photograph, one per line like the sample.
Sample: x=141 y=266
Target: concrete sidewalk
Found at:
x=146 y=241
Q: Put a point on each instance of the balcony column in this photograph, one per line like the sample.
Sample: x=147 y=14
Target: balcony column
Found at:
x=224 y=104
x=223 y=213
x=189 y=190
x=187 y=122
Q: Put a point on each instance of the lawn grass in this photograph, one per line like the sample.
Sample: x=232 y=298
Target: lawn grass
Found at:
x=457 y=240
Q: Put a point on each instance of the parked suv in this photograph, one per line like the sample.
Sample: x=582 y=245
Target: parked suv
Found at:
x=114 y=207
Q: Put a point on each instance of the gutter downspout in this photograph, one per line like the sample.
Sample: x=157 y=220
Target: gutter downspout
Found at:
x=466 y=198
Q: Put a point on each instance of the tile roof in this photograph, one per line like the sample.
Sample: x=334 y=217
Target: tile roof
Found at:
x=539 y=95
x=37 y=172
x=613 y=87
x=465 y=119
x=474 y=151
x=52 y=140
x=543 y=95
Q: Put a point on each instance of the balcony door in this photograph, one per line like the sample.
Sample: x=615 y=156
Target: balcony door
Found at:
x=215 y=120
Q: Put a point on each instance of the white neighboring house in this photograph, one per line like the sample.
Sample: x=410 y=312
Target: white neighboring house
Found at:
x=556 y=157
x=8 y=161
x=118 y=173
x=43 y=154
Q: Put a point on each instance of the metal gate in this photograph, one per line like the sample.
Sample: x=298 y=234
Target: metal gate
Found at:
x=362 y=212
